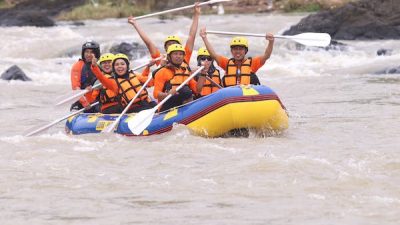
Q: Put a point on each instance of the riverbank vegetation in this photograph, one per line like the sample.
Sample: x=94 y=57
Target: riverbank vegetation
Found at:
x=99 y=9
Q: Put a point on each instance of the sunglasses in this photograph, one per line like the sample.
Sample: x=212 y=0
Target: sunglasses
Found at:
x=203 y=58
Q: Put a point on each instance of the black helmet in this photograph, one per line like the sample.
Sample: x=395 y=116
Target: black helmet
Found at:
x=91 y=45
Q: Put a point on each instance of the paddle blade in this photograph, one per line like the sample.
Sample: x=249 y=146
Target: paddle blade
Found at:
x=313 y=39
x=141 y=121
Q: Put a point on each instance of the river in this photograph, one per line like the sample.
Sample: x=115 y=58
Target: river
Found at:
x=338 y=163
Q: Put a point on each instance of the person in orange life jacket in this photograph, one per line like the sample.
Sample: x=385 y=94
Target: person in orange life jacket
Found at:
x=169 y=77
x=204 y=86
x=239 y=69
x=83 y=78
x=123 y=86
x=172 y=39
x=109 y=101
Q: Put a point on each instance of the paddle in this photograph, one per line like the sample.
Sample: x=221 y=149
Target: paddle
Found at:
x=78 y=93
x=308 y=39
x=40 y=129
x=143 y=118
x=213 y=82
x=180 y=8
x=75 y=96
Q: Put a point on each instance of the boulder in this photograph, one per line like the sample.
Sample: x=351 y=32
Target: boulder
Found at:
x=26 y=18
x=133 y=51
x=15 y=73
x=36 y=12
x=384 y=51
x=361 y=20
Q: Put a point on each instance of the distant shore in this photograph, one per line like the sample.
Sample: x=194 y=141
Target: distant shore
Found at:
x=100 y=9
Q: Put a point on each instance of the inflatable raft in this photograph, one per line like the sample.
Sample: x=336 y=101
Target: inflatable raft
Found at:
x=255 y=107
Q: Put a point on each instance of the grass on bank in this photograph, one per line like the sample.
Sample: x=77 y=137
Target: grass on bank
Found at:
x=106 y=9
x=309 y=5
x=4 y=4
x=125 y=8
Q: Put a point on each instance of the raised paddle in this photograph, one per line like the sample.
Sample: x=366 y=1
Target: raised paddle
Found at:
x=180 y=8
x=308 y=39
x=111 y=127
x=143 y=118
x=33 y=131
x=78 y=93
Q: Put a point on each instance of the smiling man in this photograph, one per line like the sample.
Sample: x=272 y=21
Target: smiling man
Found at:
x=239 y=69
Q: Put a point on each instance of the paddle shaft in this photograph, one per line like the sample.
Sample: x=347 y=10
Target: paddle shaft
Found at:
x=77 y=95
x=311 y=39
x=213 y=82
x=180 y=86
x=59 y=120
x=179 y=9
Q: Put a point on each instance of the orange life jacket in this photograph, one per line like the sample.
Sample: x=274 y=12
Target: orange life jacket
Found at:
x=235 y=76
x=180 y=75
x=107 y=97
x=209 y=87
x=128 y=89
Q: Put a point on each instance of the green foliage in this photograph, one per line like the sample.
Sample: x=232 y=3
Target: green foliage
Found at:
x=106 y=9
x=300 y=6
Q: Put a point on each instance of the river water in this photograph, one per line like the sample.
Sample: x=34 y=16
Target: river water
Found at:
x=338 y=163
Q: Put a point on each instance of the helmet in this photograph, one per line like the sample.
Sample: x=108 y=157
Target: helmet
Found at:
x=120 y=56
x=174 y=48
x=173 y=38
x=91 y=45
x=239 y=41
x=106 y=57
x=123 y=57
x=203 y=51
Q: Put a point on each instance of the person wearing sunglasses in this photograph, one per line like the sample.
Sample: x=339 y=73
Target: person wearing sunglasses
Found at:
x=239 y=69
x=209 y=80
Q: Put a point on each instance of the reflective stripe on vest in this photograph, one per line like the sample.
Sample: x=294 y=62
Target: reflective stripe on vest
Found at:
x=235 y=75
x=128 y=89
x=209 y=87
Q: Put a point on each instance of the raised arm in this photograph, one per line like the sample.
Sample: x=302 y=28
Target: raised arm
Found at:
x=193 y=27
x=150 y=45
x=213 y=54
x=108 y=83
x=268 y=50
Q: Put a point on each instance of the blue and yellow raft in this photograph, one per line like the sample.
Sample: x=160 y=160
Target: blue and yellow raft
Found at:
x=255 y=107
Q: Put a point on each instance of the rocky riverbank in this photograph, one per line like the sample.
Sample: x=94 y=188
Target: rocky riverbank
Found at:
x=363 y=20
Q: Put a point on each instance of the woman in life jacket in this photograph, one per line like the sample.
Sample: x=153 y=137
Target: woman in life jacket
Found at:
x=208 y=81
x=123 y=86
x=109 y=101
x=83 y=78
x=239 y=69
x=169 y=77
x=171 y=39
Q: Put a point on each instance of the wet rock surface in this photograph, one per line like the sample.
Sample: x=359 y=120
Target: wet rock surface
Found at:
x=363 y=20
x=15 y=73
